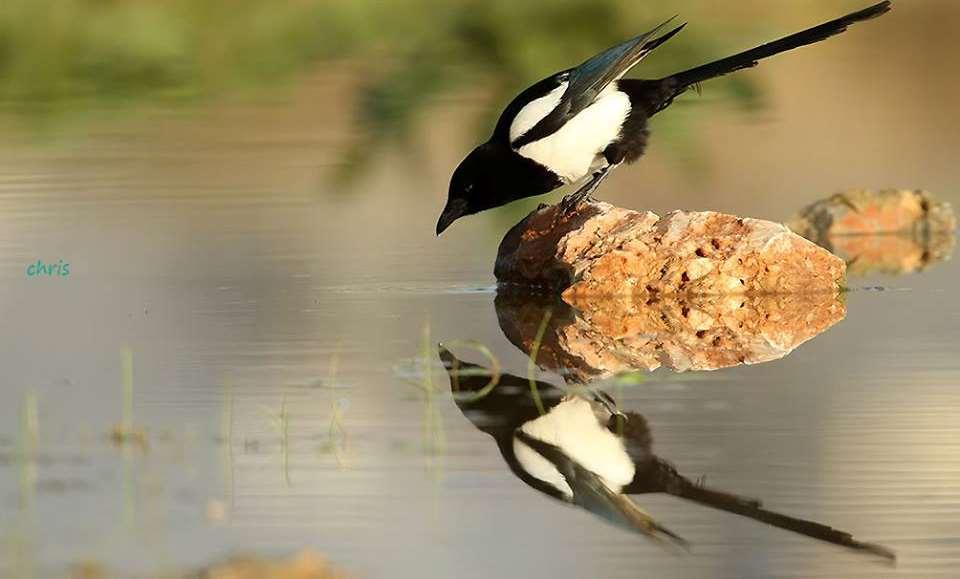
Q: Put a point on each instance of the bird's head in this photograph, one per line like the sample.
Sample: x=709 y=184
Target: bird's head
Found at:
x=474 y=186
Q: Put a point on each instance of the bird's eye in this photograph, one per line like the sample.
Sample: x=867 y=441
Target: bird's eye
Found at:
x=468 y=188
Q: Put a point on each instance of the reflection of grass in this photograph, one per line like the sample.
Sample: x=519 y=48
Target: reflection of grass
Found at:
x=420 y=376
x=126 y=433
x=336 y=433
x=281 y=422
x=434 y=438
x=226 y=436
x=532 y=362
x=29 y=427
x=127 y=416
x=21 y=546
x=494 y=371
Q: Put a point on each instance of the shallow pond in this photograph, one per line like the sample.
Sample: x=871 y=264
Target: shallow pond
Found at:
x=244 y=355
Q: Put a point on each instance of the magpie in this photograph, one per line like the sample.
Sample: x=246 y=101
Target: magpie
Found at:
x=580 y=448
x=579 y=124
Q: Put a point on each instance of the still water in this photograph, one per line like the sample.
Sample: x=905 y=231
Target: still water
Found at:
x=244 y=355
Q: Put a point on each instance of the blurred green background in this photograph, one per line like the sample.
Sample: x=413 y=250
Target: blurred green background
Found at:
x=62 y=58
x=72 y=69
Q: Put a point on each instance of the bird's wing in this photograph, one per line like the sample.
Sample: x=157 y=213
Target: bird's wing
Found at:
x=590 y=492
x=588 y=80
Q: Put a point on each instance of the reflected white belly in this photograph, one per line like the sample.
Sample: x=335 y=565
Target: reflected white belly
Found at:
x=573 y=427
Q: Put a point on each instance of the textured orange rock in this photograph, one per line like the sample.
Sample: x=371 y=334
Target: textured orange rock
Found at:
x=886 y=232
x=596 y=249
x=598 y=338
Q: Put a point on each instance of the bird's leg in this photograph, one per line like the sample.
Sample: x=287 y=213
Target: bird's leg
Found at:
x=584 y=192
x=590 y=186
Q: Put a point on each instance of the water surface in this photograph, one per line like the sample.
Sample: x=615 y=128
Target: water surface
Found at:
x=283 y=328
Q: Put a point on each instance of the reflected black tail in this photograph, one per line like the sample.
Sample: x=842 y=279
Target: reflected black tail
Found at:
x=666 y=477
x=682 y=81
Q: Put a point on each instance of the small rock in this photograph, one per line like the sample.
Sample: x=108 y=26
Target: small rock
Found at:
x=305 y=565
x=888 y=232
x=861 y=212
x=594 y=248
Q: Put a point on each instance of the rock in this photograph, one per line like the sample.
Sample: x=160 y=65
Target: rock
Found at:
x=305 y=565
x=594 y=248
x=593 y=339
x=862 y=212
x=886 y=232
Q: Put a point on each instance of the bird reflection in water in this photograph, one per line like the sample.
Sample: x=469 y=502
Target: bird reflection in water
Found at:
x=580 y=448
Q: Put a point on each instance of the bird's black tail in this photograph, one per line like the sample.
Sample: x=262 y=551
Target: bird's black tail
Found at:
x=684 y=80
x=663 y=477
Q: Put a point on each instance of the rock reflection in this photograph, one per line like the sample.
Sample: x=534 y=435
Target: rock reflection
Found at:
x=597 y=339
x=580 y=448
x=894 y=232
x=890 y=254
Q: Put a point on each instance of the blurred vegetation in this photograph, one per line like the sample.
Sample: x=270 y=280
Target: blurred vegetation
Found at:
x=76 y=53
x=65 y=52
x=63 y=58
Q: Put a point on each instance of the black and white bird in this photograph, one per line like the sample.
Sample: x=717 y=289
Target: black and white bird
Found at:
x=581 y=449
x=579 y=124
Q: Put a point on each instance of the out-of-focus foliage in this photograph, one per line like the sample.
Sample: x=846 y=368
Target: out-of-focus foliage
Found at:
x=501 y=46
x=56 y=52
x=61 y=51
x=60 y=58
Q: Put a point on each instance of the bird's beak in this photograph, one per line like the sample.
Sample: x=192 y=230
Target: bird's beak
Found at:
x=455 y=209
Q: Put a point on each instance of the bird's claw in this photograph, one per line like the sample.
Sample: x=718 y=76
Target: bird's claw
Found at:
x=571 y=201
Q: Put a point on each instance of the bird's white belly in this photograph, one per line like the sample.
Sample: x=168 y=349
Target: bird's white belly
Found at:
x=573 y=151
x=573 y=427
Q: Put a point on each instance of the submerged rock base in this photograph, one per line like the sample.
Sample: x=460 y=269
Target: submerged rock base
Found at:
x=592 y=248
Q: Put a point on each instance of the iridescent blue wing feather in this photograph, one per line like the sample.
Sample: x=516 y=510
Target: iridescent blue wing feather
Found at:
x=588 y=80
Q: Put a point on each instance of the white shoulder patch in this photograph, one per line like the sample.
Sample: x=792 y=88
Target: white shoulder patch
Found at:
x=535 y=110
x=573 y=427
x=541 y=468
x=576 y=150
